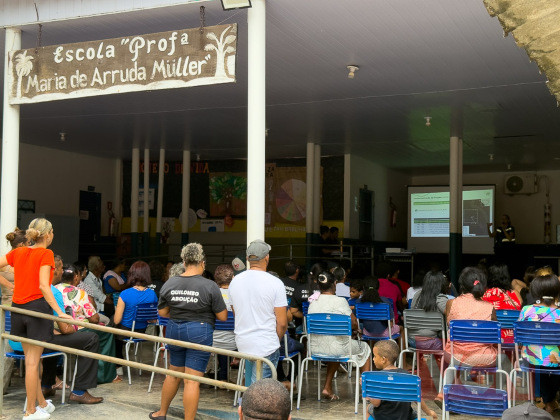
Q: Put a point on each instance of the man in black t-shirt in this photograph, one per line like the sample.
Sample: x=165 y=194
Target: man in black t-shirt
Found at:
x=290 y=281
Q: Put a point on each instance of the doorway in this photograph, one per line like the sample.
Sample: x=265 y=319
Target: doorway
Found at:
x=365 y=214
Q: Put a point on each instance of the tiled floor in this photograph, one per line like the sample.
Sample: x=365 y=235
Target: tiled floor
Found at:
x=133 y=402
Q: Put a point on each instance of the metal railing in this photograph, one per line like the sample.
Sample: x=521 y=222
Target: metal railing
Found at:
x=4 y=336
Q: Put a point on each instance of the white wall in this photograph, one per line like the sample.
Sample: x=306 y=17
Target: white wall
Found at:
x=385 y=183
x=526 y=212
x=54 y=178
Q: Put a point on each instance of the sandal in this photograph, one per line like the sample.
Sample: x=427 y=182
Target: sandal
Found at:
x=330 y=397
x=116 y=380
x=156 y=417
x=59 y=386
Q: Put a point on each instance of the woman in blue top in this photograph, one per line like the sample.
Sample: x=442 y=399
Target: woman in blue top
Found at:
x=129 y=299
x=371 y=295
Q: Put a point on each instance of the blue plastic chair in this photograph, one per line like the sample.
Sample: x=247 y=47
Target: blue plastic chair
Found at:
x=162 y=323
x=376 y=312
x=335 y=325
x=21 y=357
x=289 y=357
x=144 y=312
x=474 y=400
x=304 y=309
x=391 y=386
x=535 y=333
x=506 y=318
x=473 y=331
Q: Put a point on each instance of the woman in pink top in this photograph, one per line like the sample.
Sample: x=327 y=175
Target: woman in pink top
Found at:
x=469 y=305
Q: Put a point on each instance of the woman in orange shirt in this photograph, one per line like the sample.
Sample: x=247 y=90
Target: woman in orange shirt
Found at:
x=33 y=271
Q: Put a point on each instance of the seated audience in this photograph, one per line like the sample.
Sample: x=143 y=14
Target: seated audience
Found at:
x=224 y=339
x=432 y=298
x=290 y=281
x=176 y=270
x=417 y=282
x=342 y=289
x=469 y=305
x=546 y=290
x=371 y=295
x=293 y=346
x=78 y=338
x=79 y=305
x=265 y=399
x=356 y=291
x=113 y=280
x=401 y=284
x=501 y=295
x=129 y=299
x=157 y=271
x=326 y=345
x=76 y=300
x=388 y=289
x=93 y=286
x=302 y=294
x=385 y=353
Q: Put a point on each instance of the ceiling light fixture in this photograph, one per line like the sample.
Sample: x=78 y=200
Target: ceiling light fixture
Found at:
x=236 y=4
x=428 y=121
x=352 y=69
x=62 y=136
x=491 y=156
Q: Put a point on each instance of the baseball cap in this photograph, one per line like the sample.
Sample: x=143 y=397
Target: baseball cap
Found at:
x=527 y=411
x=238 y=264
x=257 y=250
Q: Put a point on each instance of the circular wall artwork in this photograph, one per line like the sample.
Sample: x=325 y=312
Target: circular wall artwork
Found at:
x=291 y=200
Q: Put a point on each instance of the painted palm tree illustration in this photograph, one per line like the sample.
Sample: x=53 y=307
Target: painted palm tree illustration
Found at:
x=222 y=49
x=23 y=68
x=226 y=187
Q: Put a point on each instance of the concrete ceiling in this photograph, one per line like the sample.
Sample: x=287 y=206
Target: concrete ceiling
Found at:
x=416 y=59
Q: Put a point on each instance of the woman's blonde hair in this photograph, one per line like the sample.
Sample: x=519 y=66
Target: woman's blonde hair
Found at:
x=192 y=254
x=38 y=228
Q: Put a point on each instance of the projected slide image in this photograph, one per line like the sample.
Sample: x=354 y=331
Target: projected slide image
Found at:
x=429 y=214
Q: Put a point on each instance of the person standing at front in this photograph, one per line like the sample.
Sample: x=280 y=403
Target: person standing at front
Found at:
x=33 y=273
x=192 y=303
x=259 y=304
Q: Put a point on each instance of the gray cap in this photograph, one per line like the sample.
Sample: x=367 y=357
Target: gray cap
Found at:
x=527 y=411
x=257 y=250
x=238 y=264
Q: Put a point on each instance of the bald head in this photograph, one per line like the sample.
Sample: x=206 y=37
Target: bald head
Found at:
x=266 y=399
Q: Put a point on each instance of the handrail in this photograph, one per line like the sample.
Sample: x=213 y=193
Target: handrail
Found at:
x=4 y=336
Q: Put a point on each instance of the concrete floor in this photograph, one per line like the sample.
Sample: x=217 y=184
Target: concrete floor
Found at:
x=123 y=401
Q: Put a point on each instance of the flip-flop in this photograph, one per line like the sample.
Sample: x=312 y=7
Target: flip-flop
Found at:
x=117 y=380
x=59 y=386
x=156 y=417
x=438 y=402
x=330 y=397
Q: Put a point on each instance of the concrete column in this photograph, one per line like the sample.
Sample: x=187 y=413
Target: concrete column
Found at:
x=256 y=120
x=146 y=219
x=117 y=199
x=185 y=202
x=134 y=195
x=317 y=191
x=348 y=205
x=310 y=167
x=455 y=208
x=10 y=148
x=161 y=174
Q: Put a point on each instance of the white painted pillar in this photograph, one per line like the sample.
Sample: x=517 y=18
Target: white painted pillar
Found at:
x=348 y=205
x=117 y=199
x=10 y=148
x=317 y=190
x=146 y=218
x=161 y=174
x=256 y=120
x=185 y=202
x=134 y=195
x=310 y=170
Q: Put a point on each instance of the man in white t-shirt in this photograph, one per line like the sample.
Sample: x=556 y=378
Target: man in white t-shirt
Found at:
x=259 y=303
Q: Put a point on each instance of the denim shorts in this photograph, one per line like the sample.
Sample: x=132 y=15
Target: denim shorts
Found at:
x=193 y=332
x=251 y=369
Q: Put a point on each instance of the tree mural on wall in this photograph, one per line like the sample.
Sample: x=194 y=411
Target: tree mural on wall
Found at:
x=222 y=49
x=23 y=68
x=224 y=188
